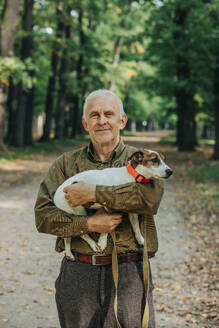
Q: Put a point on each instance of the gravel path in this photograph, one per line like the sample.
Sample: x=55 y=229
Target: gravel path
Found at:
x=29 y=264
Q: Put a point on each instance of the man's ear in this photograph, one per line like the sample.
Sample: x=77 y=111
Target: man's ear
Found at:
x=137 y=157
x=123 y=121
x=84 y=123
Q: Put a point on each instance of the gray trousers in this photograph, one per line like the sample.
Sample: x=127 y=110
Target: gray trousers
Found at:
x=85 y=296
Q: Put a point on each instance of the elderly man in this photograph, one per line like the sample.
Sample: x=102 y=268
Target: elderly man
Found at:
x=84 y=291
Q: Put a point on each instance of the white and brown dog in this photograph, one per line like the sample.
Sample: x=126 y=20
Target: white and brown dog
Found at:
x=141 y=167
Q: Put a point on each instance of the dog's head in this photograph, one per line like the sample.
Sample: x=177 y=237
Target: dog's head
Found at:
x=150 y=164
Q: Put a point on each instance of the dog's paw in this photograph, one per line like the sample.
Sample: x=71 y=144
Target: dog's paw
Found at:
x=140 y=240
x=95 y=247
x=102 y=242
x=69 y=255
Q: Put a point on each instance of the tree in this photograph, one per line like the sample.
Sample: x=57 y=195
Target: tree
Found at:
x=8 y=22
x=22 y=132
x=178 y=49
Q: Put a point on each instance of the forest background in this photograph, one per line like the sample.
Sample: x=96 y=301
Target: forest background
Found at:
x=161 y=57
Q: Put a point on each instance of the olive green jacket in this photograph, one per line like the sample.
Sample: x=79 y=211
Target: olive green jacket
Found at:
x=143 y=199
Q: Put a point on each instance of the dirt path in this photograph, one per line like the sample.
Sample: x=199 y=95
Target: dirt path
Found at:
x=29 y=265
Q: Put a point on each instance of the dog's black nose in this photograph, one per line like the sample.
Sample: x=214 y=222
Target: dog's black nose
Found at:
x=169 y=172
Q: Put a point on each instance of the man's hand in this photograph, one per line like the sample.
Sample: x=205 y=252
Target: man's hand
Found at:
x=80 y=193
x=102 y=222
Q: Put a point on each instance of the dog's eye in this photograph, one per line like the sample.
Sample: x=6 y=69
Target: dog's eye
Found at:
x=155 y=160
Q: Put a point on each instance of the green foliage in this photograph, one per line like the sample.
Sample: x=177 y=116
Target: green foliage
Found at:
x=13 y=68
x=172 y=141
x=208 y=178
x=174 y=42
x=133 y=45
x=205 y=173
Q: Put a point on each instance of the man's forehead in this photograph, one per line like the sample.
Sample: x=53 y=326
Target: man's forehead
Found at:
x=101 y=102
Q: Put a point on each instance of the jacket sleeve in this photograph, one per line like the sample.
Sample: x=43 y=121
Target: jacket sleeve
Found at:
x=48 y=218
x=131 y=197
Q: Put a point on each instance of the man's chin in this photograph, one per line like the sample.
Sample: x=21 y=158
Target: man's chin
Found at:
x=104 y=138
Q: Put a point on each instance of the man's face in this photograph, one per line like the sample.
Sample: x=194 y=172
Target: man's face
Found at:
x=103 y=120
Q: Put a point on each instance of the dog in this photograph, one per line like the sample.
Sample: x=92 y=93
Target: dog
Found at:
x=142 y=166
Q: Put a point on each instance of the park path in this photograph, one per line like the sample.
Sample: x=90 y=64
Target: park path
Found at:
x=29 y=264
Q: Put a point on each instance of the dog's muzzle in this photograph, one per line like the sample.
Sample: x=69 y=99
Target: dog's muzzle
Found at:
x=168 y=172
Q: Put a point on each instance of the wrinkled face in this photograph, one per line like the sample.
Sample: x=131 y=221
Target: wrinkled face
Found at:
x=151 y=164
x=102 y=120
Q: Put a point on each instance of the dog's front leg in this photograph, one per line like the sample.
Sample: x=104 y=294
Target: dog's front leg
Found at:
x=136 y=228
x=68 y=252
x=102 y=241
x=93 y=245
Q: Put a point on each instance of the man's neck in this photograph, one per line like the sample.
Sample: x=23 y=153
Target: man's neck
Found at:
x=104 y=151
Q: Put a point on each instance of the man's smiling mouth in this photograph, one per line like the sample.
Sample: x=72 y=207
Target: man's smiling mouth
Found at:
x=102 y=130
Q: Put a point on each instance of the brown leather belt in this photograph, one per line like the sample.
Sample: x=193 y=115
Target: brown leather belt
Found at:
x=99 y=259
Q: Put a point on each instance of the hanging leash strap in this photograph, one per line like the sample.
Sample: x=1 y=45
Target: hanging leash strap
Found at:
x=115 y=270
x=145 y=319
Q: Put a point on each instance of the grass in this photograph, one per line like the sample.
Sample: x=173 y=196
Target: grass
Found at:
x=14 y=153
x=201 y=142
x=168 y=141
x=205 y=173
x=207 y=178
x=127 y=133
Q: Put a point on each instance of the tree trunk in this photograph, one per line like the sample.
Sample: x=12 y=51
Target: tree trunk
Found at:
x=216 y=110
x=11 y=109
x=23 y=131
x=117 y=47
x=75 y=109
x=74 y=116
x=2 y=117
x=118 y=44
x=61 y=102
x=7 y=31
x=50 y=96
x=185 y=130
x=28 y=136
x=184 y=95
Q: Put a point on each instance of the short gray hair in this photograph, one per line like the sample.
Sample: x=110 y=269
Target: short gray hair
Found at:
x=101 y=93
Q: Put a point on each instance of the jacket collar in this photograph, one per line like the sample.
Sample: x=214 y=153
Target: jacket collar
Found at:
x=114 y=155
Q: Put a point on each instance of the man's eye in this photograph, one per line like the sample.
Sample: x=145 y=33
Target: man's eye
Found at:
x=155 y=160
x=93 y=115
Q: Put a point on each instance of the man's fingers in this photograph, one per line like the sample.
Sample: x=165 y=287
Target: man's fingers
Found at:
x=117 y=220
x=117 y=217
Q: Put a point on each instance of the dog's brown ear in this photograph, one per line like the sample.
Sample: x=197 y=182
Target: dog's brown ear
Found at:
x=162 y=156
x=137 y=157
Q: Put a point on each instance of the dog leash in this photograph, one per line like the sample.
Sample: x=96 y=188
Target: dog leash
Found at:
x=115 y=271
x=145 y=319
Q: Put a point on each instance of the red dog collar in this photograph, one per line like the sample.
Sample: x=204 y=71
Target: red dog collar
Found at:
x=138 y=177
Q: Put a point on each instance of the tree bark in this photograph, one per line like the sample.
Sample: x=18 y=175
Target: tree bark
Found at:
x=50 y=96
x=23 y=131
x=11 y=109
x=75 y=109
x=7 y=31
x=117 y=47
x=216 y=110
x=184 y=95
x=62 y=102
x=117 y=51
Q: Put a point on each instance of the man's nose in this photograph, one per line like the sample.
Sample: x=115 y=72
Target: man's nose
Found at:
x=102 y=119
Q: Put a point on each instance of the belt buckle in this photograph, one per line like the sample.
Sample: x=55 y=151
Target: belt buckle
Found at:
x=94 y=258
